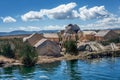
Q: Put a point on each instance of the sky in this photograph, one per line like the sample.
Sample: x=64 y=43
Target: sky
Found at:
x=35 y=15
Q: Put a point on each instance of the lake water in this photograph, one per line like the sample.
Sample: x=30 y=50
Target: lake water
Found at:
x=99 y=69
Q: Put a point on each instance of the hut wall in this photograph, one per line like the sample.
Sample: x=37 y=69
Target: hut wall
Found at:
x=48 y=48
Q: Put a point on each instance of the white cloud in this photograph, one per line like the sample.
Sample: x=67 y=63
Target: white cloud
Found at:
x=105 y=23
x=8 y=19
x=64 y=11
x=93 y=13
x=110 y=20
x=54 y=27
x=26 y=28
x=32 y=15
x=104 y=19
x=67 y=11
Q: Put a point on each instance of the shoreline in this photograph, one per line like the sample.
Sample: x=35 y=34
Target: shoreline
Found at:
x=6 y=62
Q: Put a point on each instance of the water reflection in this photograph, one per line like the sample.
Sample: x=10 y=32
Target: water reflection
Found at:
x=72 y=67
x=49 y=71
x=99 y=69
x=8 y=70
x=104 y=69
x=101 y=60
x=50 y=67
x=26 y=72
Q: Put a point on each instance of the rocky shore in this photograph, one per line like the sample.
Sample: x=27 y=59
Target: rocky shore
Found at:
x=101 y=54
x=5 y=62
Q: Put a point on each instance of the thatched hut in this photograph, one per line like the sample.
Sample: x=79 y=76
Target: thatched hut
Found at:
x=105 y=35
x=44 y=47
x=47 y=48
x=88 y=35
x=52 y=37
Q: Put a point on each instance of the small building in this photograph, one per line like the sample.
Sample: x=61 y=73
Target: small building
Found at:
x=105 y=35
x=44 y=47
x=88 y=35
x=52 y=37
x=47 y=47
x=33 y=39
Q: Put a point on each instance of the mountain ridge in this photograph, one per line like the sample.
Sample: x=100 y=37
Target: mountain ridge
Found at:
x=22 y=32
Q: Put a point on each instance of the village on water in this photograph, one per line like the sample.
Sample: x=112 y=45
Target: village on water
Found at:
x=59 y=39
x=70 y=43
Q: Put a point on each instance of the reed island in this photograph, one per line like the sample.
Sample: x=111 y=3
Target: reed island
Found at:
x=68 y=44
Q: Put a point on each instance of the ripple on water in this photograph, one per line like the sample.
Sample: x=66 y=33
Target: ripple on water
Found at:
x=5 y=75
x=102 y=69
x=44 y=77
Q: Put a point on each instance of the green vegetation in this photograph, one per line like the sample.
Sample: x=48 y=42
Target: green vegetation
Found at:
x=71 y=47
x=117 y=40
x=15 y=48
x=7 y=51
x=28 y=55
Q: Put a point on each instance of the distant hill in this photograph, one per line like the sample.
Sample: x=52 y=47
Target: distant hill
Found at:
x=19 y=32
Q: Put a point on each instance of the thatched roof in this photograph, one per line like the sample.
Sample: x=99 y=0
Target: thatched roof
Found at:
x=40 y=42
x=47 y=48
x=89 y=32
x=102 y=33
x=51 y=35
x=33 y=38
x=28 y=37
x=44 y=46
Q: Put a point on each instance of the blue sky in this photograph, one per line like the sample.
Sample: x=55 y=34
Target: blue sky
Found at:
x=56 y=14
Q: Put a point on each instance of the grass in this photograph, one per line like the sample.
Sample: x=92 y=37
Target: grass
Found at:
x=22 y=51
